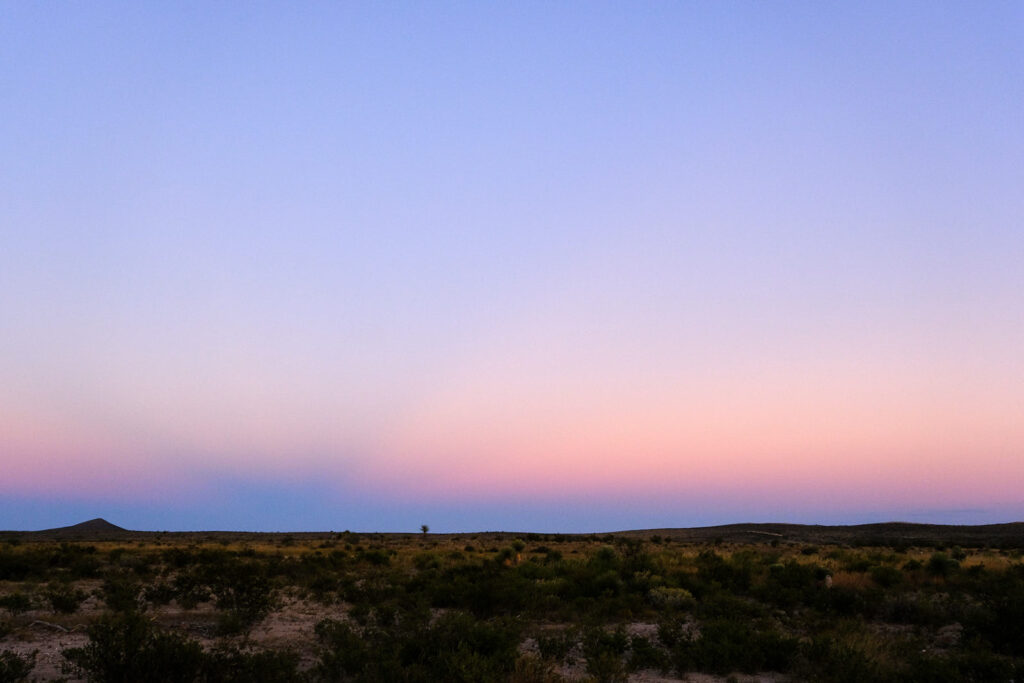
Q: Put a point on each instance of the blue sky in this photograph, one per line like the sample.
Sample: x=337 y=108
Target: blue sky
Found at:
x=473 y=264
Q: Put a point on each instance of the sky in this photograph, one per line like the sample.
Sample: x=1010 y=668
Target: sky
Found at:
x=573 y=266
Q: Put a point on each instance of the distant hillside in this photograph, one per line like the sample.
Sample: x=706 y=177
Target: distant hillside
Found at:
x=884 y=534
x=887 y=533
x=93 y=529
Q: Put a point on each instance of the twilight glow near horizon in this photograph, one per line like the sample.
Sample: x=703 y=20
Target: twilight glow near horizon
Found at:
x=521 y=266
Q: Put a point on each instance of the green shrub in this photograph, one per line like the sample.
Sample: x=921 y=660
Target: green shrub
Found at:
x=664 y=597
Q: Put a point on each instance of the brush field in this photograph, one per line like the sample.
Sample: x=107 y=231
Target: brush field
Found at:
x=753 y=605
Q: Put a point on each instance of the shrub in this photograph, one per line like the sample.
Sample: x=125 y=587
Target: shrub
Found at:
x=557 y=645
x=14 y=667
x=63 y=598
x=232 y=665
x=16 y=603
x=122 y=593
x=455 y=647
x=18 y=566
x=941 y=565
x=374 y=557
x=190 y=589
x=125 y=647
x=886 y=576
x=425 y=561
x=827 y=659
x=664 y=597
x=159 y=593
x=606 y=667
x=671 y=632
x=243 y=591
x=344 y=653
x=643 y=654
x=532 y=670
x=716 y=571
x=1002 y=623
x=604 y=651
x=726 y=645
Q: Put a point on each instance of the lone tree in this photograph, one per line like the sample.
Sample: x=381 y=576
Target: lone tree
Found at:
x=424 y=529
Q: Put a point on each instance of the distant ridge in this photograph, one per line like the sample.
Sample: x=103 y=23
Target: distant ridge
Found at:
x=885 y=533
x=1009 y=534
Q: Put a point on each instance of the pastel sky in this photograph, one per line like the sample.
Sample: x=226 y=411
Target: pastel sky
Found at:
x=550 y=266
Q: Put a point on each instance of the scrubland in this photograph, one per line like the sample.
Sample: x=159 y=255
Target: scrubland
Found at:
x=504 y=607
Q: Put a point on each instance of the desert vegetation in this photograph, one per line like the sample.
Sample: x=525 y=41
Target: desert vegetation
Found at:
x=504 y=607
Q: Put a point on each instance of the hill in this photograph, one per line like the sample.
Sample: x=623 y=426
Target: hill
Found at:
x=886 y=533
x=93 y=529
x=883 y=534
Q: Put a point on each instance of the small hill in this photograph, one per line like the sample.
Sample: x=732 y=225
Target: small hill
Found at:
x=93 y=529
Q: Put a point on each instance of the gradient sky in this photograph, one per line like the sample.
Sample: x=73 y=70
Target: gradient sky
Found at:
x=515 y=265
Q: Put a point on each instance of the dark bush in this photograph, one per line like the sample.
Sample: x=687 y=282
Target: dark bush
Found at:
x=718 y=572
x=18 y=566
x=828 y=660
x=15 y=668
x=886 y=576
x=125 y=648
x=63 y=598
x=726 y=645
x=242 y=591
x=556 y=645
x=374 y=557
x=604 y=651
x=643 y=654
x=941 y=565
x=190 y=588
x=455 y=647
x=159 y=593
x=16 y=603
x=122 y=593
x=232 y=665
